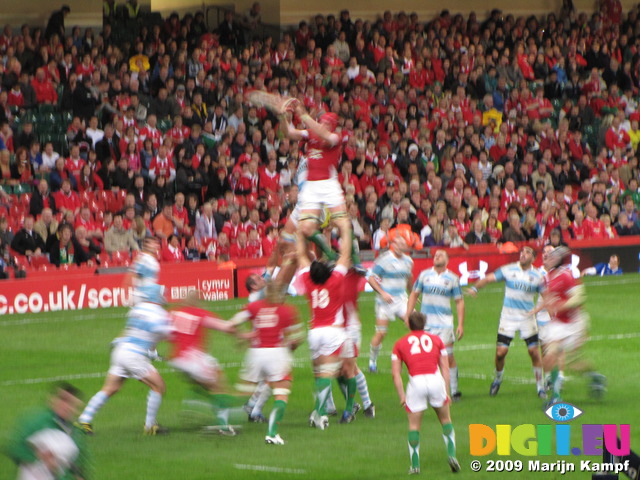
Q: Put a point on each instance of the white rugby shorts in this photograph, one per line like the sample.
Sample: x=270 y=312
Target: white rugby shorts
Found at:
x=527 y=327
x=269 y=364
x=126 y=362
x=317 y=194
x=425 y=390
x=351 y=348
x=326 y=341
x=571 y=336
x=445 y=333
x=389 y=311
x=198 y=365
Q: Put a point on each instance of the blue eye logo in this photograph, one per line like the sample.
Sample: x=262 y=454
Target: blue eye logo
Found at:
x=563 y=412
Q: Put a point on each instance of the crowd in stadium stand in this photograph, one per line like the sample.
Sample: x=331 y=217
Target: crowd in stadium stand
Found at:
x=506 y=129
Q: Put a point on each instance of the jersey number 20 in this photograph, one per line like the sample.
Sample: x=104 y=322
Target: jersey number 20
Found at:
x=419 y=345
x=319 y=298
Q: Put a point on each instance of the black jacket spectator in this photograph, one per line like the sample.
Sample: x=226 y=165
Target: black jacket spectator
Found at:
x=106 y=149
x=36 y=204
x=83 y=102
x=230 y=32
x=56 y=23
x=472 y=239
x=27 y=241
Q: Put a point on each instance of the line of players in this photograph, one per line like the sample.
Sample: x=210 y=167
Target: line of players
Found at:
x=437 y=286
x=276 y=331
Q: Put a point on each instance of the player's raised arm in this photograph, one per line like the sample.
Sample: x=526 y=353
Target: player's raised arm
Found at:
x=473 y=289
x=345 y=249
x=289 y=130
x=318 y=129
x=301 y=250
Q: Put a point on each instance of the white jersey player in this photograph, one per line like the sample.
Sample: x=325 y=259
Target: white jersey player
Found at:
x=437 y=286
x=147 y=324
x=390 y=277
x=522 y=283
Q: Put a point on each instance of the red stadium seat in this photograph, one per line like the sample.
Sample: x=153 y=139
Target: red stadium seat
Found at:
x=17 y=210
x=25 y=200
x=40 y=261
x=69 y=267
x=121 y=257
x=205 y=242
x=86 y=197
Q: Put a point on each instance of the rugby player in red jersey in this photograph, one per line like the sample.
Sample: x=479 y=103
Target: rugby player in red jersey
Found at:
x=426 y=358
x=353 y=284
x=322 y=189
x=324 y=289
x=568 y=328
x=189 y=355
x=276 y=332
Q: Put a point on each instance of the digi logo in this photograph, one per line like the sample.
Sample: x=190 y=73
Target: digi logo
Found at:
x=563 y=412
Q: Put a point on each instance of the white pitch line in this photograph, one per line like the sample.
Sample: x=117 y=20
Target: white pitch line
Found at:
x=297 y=363
x=66 y=316
x=71 y=315
x=266 y=468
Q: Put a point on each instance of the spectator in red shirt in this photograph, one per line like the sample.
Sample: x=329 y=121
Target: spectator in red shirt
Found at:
x=233 y=227
x=269 y=177
x=254 y=245
x=172 y=252
x=239 y=248
x=616 y=136
x=66 y=199
x=44 y=88
x=270 y=241
x=594 y=227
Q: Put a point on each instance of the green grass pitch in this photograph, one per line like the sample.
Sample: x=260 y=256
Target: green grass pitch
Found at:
x=37 y=349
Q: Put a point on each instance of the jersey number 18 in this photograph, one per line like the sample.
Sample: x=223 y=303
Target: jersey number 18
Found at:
x=319 y=298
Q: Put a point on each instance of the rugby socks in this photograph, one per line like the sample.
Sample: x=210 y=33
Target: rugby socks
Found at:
x=276 y=416
x=321 y=241
x=154 y=399
x=499 y=375
x=222 y=404
x=373 y=354
x=254 y=397
x=95 y=404
x=556 y=383
x=343 y=384
x=323 y=387
x=363 y=390
x=537 y=372
x=449 y=437
x=453 y=380
x=414 y=448
x=263 y=396
x=330 y=405
x=351 y=393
